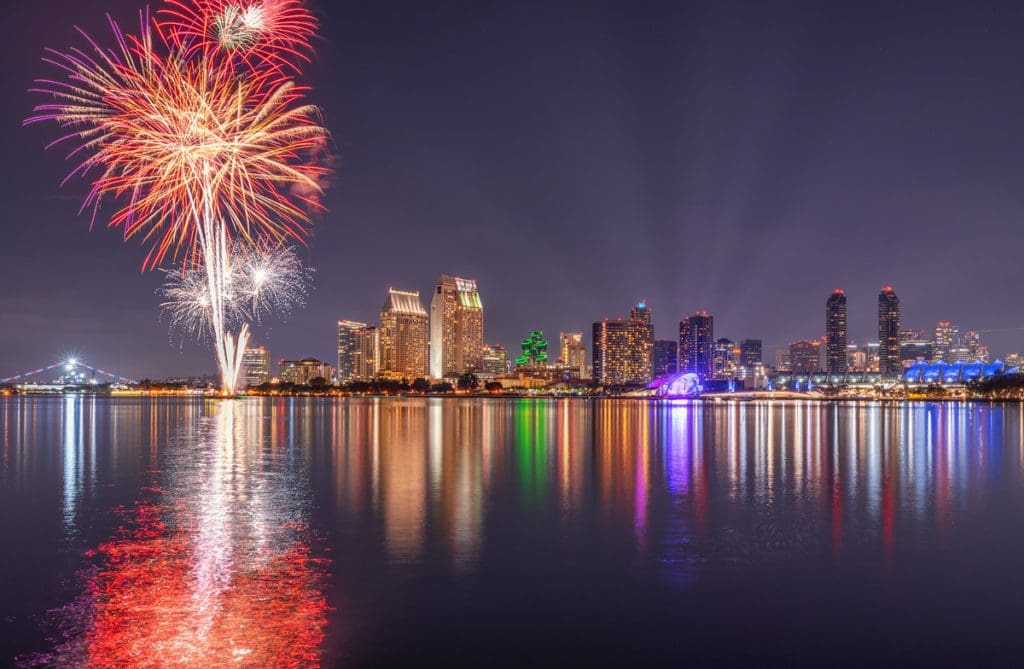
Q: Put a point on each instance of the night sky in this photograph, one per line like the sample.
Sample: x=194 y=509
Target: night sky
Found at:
x=743 y=158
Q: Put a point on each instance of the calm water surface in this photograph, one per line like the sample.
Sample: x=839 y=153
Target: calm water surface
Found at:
x=169 y=532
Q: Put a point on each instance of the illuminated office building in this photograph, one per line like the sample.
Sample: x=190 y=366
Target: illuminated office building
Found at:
x=495 y=359
x=256 y=363
x=889 y=332
x=366 y=354
x=347 y=342
x=573 y=352
x=666 y=357
x=947 y=336
x=726 y=359
x=641 y=342
x=750 y=352
x=403 y=336
x=303 y=372
x=696 y=345
x=805 y=356
x=456 y=328
x=623 y=349
x=835 y=333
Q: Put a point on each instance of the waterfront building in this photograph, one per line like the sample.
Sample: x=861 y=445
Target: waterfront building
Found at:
x=696 y=345
x=782 y=362
x=913 y=351
x=975 y=349
x=623 y=349
x=805 y=356
x=256 y=365
x=573 y=352
x=456 y=328
x=753 y=376
x=611 y=351
x=835 y=333
x=947 y=336
x=666 y=357
x=641 y=343
x=726 y=359
x=534 y=351
x=347 y=341
x=750 y=352
x=888 y=332
x=495 y=359
x=303 y=372
x=403 y=336
x=1014 y=360
x=366 y=354
x=870 y=350
x=856 y=360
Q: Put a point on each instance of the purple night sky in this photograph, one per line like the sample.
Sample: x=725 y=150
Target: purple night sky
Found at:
x=573 y=157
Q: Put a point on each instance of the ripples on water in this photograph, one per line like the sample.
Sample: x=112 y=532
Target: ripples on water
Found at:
x=305 y=532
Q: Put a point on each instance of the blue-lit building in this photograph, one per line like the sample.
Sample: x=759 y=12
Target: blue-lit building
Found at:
x=955 y=372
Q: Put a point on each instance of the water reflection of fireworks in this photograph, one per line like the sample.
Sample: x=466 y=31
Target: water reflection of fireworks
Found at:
x=219 y=567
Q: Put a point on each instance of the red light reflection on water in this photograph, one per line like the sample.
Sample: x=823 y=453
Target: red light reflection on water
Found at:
x=146 y=605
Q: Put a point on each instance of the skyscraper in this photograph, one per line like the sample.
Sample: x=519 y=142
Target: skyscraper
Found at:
x=947 y=335
x=641 y=343
x=366 y=354
x=572 y=351
x=726 y=358
x=835 y=333
x=888 y=332
x=403 y=336
x=495 y=359
x=347 y=342
x=666 y=357
x=256 y=363
x=805 y=356
x=456 y=327
x=750 y=352
x=696 y=345
x=611 y=351
x=623 y=349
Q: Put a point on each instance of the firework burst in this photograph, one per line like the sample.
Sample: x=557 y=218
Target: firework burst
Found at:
x=196 y=133
x=272 y=35
x=259 y=282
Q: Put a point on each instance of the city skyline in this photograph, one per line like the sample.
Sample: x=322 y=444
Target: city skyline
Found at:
x=682 y=196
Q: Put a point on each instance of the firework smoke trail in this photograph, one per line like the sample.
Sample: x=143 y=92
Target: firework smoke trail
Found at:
x=203 y=147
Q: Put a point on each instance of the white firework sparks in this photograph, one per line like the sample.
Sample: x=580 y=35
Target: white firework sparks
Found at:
x=256 y=283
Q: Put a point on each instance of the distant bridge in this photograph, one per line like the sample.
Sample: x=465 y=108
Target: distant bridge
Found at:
x=70 y=374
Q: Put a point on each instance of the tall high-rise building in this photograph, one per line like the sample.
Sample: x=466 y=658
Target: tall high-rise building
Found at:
x=889 y=332
x=495 y=359
x=456 y=327
x=666 y=357
x=347 y=341
x=696 y=345
x=805 y=357
x=256 y=363
x=641 y=342
x=947 y=335
x=975 y=349
x=610 y=342
x=365 y=354
x=835 y=333
x=572 y=351
x=623 y=349
x=750 y=352
x=403 y=336
x=726 y=357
